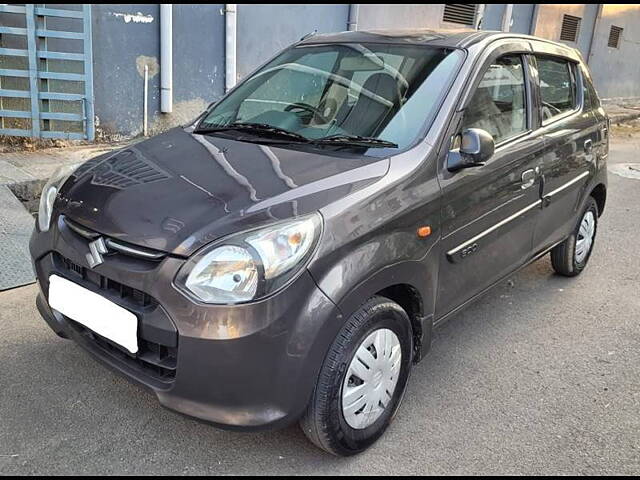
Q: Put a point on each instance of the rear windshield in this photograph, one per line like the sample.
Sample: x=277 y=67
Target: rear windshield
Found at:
x=383 y=91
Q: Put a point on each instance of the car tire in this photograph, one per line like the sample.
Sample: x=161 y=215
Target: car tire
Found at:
x=571 y=256
x=334 y=420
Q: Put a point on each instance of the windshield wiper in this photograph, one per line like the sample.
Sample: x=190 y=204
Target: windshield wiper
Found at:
x=355 y=140
x=262 y=129
x=266 y=130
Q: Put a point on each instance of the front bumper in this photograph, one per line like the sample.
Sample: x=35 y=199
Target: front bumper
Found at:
x=250 y=366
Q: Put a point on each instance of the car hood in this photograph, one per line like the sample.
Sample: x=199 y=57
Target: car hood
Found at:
x=179 y=191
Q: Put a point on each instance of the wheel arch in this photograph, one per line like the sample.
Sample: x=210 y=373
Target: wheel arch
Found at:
x=599 y=194
x=411 y=285
x=411 y=301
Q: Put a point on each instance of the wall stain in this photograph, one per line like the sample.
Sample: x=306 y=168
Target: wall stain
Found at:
x=183 y=113
x=151 y=62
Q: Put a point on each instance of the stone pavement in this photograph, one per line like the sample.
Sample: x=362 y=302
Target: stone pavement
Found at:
x=622 y=113
x=18 y=167
x=16 y=225
x=22 y=175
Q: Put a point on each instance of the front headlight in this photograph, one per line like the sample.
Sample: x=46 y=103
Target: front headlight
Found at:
x=49 y=193
x=251 y=265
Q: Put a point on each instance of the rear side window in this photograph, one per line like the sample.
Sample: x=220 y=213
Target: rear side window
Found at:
x=591 y=100
x=557 y=87
x=499 y=103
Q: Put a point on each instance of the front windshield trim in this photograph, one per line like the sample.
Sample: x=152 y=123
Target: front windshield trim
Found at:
x=422 y=129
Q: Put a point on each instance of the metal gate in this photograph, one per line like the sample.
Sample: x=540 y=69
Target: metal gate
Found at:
x=46 y=71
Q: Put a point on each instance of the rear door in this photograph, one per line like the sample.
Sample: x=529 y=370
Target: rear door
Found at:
x=571 y=135
x=489 y=212
x=591 y=102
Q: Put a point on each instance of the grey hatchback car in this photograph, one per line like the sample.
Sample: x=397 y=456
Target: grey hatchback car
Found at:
x=286 y=256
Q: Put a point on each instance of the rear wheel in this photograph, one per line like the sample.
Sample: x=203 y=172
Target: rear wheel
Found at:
x=571 y=256
x=362 y=380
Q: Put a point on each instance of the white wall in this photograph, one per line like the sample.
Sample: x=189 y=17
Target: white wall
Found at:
x=400 y=16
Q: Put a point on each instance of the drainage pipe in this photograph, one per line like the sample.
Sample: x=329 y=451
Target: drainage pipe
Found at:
x=166 y=57
x=230 y=46
x=354 y=11
x=477 y=24
x=534 y=19
x=145 y=102
x=594 y=31
x=506 y=17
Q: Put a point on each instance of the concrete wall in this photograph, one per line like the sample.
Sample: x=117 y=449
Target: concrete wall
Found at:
x=520 y=17
x=123 y=44
x=616 y=71
x=127 y=36
x=264 y=30
x=549 y=23
x=386 y=16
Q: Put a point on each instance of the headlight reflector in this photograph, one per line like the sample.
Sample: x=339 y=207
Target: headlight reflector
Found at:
x=282 y=247
x=226 y=274
x=250 y=265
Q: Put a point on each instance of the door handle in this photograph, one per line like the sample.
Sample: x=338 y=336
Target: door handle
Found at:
x=528 y=178
x=588 y=146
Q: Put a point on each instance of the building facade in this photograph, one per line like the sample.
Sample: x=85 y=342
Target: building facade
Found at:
x=82 y=73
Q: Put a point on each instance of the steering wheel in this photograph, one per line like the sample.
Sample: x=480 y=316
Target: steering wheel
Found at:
x=549 y=110
x=316 y=112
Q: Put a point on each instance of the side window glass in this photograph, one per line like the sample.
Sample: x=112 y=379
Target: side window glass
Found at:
x=586 y=94
x=591 y=100
x=557 y=87
x=499 y=103
x=595 y=101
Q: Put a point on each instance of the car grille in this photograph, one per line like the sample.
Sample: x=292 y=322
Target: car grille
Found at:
x=127 y=294
x=155 y=362
x=113 y=244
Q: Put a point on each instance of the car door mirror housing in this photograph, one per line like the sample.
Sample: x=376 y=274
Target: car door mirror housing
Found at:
x=476 y=147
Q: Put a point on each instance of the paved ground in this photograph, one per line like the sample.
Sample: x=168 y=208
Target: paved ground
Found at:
x=22 y=177
x=16 y=226
x=540 y=376
x=22 y=166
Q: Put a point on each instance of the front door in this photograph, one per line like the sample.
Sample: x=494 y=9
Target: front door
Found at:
x=489 y=212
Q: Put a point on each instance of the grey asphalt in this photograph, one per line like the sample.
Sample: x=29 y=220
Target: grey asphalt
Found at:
x=540 y=376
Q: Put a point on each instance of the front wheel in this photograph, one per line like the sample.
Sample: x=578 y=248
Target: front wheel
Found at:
x=362 y=380
x=571 y=256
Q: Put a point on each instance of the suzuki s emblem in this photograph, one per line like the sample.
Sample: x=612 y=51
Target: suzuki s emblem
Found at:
x=96 y=249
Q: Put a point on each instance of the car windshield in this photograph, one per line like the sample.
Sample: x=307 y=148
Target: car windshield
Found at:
x=373 y=93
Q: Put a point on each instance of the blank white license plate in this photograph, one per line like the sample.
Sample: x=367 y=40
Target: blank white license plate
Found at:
x=95 y=312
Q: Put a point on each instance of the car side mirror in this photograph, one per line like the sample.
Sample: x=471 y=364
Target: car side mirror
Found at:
x=476 y=147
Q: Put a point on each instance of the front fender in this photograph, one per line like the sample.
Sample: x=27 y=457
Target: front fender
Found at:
x=421 y=276
x=371 y=240
x=417 y=277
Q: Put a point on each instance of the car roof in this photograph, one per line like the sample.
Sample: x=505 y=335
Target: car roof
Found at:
x=452 y=38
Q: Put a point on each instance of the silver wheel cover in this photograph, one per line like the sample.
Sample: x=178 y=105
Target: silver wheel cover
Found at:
x=371 y=378
x=586 y=232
